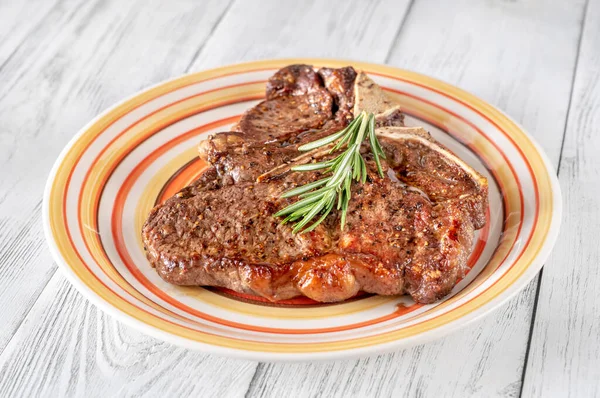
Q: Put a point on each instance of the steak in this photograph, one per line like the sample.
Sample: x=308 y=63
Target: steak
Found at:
x=410 y=232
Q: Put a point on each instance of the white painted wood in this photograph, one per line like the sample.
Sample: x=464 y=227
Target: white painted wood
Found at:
x=67 y=347
x=261 y=29
x=103 y=76
x=19 y=20
x=83 y=57
x=519 y=56
x=564 y=359
x=98 y=53
x=471 y=363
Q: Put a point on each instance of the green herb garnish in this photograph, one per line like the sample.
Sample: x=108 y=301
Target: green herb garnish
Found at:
x=320 y=197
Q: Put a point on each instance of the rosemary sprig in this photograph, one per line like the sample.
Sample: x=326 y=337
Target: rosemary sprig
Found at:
x=320 y=197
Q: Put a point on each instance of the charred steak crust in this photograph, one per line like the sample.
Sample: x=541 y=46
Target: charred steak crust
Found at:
x=296 y=101
x=340 y=83
x=293 y=80
x=301 y=106
x=410 y=232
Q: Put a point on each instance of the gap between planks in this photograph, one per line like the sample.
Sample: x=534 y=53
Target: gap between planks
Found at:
x=73 y=13
x=540 y=276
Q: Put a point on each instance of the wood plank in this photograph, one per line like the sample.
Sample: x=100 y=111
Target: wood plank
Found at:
x=86 y=56
x=519 y=56
x=21 y=236
x=80 y=351
x=277 y=29
x=36 y=342
x=564 y=358
x=65 y=346
x=18 y=20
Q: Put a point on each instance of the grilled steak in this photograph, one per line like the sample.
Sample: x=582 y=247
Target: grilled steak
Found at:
x=410 y=232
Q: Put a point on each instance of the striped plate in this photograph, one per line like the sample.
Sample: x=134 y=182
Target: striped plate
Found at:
x=141 y=151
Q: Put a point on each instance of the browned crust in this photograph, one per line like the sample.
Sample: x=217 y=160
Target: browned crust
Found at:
x=220 y=230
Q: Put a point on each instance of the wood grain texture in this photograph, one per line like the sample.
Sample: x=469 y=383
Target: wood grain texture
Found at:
x=19 y=20
x=564 y=359
x=258 y=29
x=506 y=53
x=99 y=79
x=83 y=57
x=82 y=352
x=466 y=364
x=70 y=59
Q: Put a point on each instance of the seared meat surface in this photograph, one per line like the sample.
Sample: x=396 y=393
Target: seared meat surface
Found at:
x=410 y=232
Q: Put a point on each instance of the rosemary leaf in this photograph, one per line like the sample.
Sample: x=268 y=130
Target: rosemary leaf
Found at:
x=363 y=165
x=304 y=188
x=309 y=216
x=326 y=140
x=312 y=166
x=296 y=206
x=350 y=131
x=320 y=191
x=328 y=209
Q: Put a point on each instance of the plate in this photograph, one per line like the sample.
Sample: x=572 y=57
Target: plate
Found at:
x=142 y=150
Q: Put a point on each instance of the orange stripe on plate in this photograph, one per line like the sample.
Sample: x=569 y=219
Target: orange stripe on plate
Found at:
x=151 y=287
x=126 y=258
x=393 y=334
x=116 y=229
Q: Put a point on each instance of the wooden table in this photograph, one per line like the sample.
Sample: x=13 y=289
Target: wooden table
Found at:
x=62 y=62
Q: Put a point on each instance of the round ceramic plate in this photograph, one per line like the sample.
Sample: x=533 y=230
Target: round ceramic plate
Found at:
x=143 y=150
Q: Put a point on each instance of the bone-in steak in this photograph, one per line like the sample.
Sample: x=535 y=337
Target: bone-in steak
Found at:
x=410 y=232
